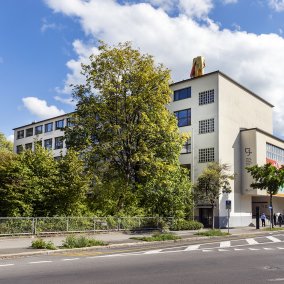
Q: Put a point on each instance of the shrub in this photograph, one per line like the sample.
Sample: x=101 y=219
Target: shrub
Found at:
x=212 y=233
x=81 y=241
x=158 y=237
x=181 y=224
x=41 y=244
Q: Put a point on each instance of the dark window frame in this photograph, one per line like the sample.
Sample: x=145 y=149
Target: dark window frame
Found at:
x=182 y=94
x=183 y=120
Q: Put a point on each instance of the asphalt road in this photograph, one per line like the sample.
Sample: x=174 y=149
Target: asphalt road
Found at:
x=252 y=260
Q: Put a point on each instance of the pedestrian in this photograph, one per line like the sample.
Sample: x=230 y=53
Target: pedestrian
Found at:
x=262 y=217
x=280 y=219
x=274 y=219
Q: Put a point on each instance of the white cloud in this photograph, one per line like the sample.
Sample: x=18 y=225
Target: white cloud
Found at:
x=277 y=5
x=40 y=108
x=252 y=60
x=68 y=101
x=229 y=1
x=10 y=138
x=193 y=8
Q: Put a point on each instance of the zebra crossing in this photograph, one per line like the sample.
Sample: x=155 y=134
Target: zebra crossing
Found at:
x=252 y=244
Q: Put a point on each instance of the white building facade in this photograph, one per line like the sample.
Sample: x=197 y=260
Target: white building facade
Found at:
x=228 y=124
x=47 y=133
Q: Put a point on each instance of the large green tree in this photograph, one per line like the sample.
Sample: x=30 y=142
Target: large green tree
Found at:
x=269 y=178
x=5 y=144
x=123 y=127
x=214 y=180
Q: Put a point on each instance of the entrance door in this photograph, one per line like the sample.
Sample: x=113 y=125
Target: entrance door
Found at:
x=205 y=217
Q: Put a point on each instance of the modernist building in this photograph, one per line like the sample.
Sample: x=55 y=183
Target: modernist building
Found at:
x=46 y=133
x=228 y=124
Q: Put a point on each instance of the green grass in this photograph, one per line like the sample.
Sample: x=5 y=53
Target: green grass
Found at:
x=212 y=233
x=80 y=242
x=274 y=229
x=158 y=237
x=41 y=244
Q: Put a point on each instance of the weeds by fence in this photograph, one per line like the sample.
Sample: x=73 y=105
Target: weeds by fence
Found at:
x=56 y=225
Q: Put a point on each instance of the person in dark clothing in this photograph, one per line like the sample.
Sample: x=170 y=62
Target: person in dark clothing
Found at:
x=263 y=217
x=280 y=219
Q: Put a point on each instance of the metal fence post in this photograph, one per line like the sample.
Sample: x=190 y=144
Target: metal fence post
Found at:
x=67 y=224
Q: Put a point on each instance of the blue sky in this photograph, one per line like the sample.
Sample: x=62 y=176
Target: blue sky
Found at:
x=44 y=41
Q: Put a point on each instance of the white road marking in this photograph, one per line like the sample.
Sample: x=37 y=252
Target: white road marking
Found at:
x=193 y=247
x=38 y=262
x=69 y=259
x=252 y=241
x=225 y=244
x=280 y=247
x=8 y=264
x=253 y=249
x=153 y=251
x=238 y=249
x=268 y=248
x=275 y=279
x=207 y=250
x=273 y=239
x=223 y=250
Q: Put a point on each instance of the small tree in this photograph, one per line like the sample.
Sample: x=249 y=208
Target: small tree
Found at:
x=213 y=181
x=5 y=144
x=269 y=178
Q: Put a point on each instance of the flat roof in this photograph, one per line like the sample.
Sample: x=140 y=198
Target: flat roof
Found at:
x=228 y=78
x=45 y=120
x=263 y=132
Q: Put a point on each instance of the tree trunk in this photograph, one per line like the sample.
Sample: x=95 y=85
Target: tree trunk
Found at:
x=271 y=211
x=213 y=223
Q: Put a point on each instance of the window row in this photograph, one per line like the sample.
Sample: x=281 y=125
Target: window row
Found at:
x=39 y=129
x=56 y=143
x=275 y=153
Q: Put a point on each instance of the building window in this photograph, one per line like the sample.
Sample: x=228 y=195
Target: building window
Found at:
x=29 y=132
x=48 y=144
x=59 y=124
x=29 y=146
x=48 y=127
x=274 y=155
x=182 y=94
x=206 y=97
x=69 y=122
x=58 y=142
x=20 y=134
x=183 y=117
x=206 y=155
x=206 y=126
x=186 y=149
x=19 y=149
x=38 y=129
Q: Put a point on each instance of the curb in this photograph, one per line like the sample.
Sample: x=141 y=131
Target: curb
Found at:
x=133 y=244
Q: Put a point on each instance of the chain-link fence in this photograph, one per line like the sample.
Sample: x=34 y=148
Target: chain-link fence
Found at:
x=56 y=225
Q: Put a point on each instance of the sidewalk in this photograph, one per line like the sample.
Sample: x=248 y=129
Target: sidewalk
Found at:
x=17 y=246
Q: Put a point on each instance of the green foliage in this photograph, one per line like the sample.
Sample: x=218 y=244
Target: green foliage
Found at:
x=73 y=241
x=34 y=184
x=269 y=178
x=212 y=233
x=42 y=244
x=5 y=145
x=129 y=139
x=213 y=181
x=181 y=224
x=158 y=237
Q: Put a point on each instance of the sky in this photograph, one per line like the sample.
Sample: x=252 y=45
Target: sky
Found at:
x=44 y=42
